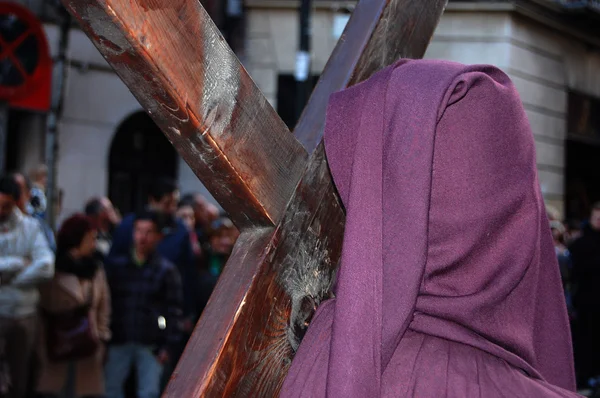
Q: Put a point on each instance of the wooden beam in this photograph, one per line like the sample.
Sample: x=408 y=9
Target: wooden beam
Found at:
x=243 y=344
x=181 y=71
x=211 y=341
x=378 y=33
x=176 y=63
x=299 y=264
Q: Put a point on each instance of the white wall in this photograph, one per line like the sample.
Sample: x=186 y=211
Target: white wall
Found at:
x=272 y=40
x=95 y=103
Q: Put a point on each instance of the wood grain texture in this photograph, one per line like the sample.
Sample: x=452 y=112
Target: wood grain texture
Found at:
x=243 y=344
x=379 y=33
x=211 y=340
x=176 y=63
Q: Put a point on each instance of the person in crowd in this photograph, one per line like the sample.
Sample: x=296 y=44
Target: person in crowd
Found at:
x=185 y=212
x=174 y=246
x=147 y=299
x=25 y=206
x=585 y=255
x=25 y=187
x=552 y=213
x=213 y=214
x=79 y=287
x=562 y=252
x=105 y=217
x=223 y=237
x=205 y=213
x=39 y=180
x=573 y=231
x=198 y=203
x=26 y=261
x=564 y=261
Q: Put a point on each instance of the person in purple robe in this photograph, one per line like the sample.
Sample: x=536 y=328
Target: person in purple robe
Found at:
x=448 y=283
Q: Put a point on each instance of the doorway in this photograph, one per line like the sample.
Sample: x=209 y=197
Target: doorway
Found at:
x=287 y=89
x=582 y=155
x=582 y=178
x=139 y=154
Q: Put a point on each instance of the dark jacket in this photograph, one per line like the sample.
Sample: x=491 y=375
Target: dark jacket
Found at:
x=142 y=294
x=67 y=292
x=585 y=256
x=209 y=277
x=175 y=247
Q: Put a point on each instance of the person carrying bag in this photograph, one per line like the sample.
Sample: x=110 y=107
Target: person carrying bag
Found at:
x=76 y=316
x=69 y=334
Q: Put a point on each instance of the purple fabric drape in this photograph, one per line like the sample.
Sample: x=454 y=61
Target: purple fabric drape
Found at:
x=448 y=283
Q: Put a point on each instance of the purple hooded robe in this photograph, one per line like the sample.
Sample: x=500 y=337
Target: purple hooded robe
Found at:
x=448 y=283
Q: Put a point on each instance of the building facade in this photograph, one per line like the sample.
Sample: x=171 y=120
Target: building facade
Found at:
x=552 y=54
x=108 y=146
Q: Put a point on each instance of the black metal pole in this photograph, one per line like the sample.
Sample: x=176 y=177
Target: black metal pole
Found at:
x=58 y=82
x=303 y=58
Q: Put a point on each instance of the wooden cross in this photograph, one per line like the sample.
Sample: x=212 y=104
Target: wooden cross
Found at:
x=276 y=187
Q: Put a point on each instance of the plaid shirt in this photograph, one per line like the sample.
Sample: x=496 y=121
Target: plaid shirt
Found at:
x=143 y=294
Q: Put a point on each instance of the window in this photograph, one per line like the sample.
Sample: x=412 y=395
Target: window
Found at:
x=583 y=117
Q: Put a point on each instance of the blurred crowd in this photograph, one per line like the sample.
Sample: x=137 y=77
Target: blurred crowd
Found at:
x=104 y=307
x=577 y=246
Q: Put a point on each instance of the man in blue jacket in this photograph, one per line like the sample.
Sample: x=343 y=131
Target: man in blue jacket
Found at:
x=146 y=299
x=175 y=246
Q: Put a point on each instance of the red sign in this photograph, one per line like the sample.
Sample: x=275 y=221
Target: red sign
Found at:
x=25 y=64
